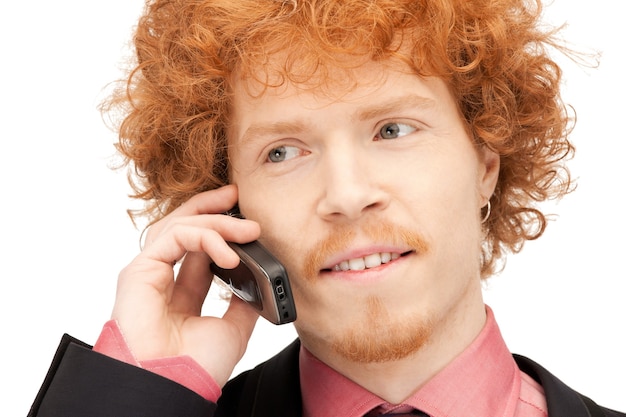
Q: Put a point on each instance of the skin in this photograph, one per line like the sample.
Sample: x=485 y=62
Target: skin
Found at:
x=316 y=176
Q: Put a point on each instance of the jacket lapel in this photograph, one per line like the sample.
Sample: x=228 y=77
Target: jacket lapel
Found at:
x=272 y=389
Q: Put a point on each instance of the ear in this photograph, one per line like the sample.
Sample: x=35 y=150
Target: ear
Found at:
x=488 y=173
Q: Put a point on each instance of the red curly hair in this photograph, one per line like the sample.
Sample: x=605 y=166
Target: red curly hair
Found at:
x=492 y=53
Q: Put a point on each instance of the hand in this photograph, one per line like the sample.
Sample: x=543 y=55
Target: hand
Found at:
x=160 y=315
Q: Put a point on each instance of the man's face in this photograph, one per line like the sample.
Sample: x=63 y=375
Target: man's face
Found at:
x=371 y=199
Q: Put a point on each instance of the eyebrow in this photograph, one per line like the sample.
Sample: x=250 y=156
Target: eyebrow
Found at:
x=273 y=129
x=396 y=105
x=282 y=128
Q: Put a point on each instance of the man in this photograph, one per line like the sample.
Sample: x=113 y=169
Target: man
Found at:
x=388 y=153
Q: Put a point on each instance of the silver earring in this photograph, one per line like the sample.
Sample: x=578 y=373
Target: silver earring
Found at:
x=486 y=216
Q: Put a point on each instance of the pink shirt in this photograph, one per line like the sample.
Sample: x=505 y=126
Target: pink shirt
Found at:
x=182 y=369
x=483 y=381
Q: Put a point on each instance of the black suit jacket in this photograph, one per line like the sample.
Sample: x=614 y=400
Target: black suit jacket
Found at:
x=83 y=383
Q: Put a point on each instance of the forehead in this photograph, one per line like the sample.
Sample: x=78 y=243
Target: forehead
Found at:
x=377 y=87
x=328 y=82
x=252 y=92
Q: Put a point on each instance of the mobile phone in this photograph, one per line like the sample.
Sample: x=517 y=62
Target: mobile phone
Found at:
x=261 y=281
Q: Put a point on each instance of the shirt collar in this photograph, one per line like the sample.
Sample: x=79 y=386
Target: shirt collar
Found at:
x=482 y=380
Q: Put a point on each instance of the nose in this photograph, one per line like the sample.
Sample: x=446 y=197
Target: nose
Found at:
x=352 y=185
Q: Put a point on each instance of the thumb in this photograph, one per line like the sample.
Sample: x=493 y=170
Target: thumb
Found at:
x=243 y=316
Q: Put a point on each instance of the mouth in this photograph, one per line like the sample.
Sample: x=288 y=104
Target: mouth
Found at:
x=370 y=261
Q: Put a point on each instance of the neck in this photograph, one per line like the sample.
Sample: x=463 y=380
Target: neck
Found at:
x=395 y=381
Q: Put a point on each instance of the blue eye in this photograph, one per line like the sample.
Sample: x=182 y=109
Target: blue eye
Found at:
x=395 y=130
x=282 y=153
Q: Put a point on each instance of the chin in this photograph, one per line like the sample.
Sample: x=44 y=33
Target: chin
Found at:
x=375 y=336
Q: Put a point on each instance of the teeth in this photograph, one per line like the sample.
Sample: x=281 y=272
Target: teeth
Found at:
x=357 y=264
x=369 y=261
x=372 y=261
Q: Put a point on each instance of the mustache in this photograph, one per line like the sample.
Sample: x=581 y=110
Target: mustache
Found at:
x=341 y=236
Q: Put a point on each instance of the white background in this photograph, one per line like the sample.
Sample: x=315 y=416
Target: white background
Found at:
x=64 y=233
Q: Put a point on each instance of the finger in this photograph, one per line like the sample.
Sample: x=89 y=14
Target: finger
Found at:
x=206 y=233
x=235 y=329
x=192 y=284
x=243 y=316
x=209 y=202
x=231 y=228
x=184 y=239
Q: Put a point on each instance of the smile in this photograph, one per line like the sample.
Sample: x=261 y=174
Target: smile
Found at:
x=367 y=262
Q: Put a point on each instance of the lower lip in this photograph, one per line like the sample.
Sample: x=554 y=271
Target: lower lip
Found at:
x=367 y=275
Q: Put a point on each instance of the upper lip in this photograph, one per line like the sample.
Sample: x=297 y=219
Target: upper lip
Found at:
x=360 y=253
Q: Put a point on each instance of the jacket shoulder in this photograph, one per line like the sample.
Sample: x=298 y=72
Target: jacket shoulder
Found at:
x=562 y=400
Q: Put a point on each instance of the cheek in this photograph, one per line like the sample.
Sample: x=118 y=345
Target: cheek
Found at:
x=282 y=215
x=458 y=238
x=447 y=208
x=279 y=202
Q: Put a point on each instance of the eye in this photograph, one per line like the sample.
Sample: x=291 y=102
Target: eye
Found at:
x=395 y=130
x=283 y=153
